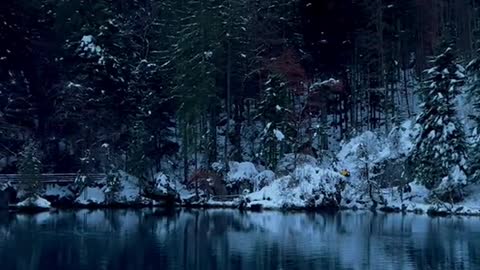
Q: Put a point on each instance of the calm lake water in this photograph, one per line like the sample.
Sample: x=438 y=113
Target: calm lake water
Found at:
x=225 y=239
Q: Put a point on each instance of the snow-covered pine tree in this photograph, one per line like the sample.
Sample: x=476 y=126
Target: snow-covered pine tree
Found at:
x=440 y=153
x=474 y=94
x=117 y=76
x=29 y=167
x=274 y=110
x=114 y=186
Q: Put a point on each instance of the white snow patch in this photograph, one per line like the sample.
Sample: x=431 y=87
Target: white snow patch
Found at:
x=34 y=202
x=89 y=49
x=60 y=191
x=330 y=82
x=297 y=189
x=279 y=135
x=163 y=183
x=130 y=190
x=263 y=179
x=91 y=195
x=241 y=171
x=371 y=148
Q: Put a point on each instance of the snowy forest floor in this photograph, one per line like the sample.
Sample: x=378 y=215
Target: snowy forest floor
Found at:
x=416 y=201
x=368 y=173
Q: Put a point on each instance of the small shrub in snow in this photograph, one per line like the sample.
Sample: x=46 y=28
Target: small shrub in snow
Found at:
x=287 y=164
x=319 y=187
x=117 y=188
x=241 y=172
x=114 y=186
x=241 y=176
x=306 y=186
x=264 y=179
x=316 y=176
x=163 y=183
x=383 y=160
x=364 y=149
x=218 y=167
x=29 y=167
x=400 y=139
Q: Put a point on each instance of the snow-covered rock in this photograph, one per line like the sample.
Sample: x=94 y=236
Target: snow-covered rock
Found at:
x=91 y=196
x=185 y=194
x=59 y=191
x=271 y=196
x=125 y=189
x=4 y=186
x=59 y=194
x=130 y=191
x=34 y=202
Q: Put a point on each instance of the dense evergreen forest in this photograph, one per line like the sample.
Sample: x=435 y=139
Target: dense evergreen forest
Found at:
x=188 y=86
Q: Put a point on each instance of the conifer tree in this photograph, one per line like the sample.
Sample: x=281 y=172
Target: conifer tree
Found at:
x=440 y=151
x=30 y=166
x=274 y=110
x=474 y=94
x=195 y=53
x=138 y=163
x=238 y=52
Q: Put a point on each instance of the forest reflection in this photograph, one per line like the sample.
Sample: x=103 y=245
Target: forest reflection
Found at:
x=224 y=239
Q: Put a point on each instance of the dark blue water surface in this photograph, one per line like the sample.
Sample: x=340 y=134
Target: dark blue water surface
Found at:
x=227 y=239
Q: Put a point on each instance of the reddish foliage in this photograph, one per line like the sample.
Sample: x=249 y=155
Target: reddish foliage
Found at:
x=207 y=181
x=288 y=65
x=326 y=94
x=339 y=87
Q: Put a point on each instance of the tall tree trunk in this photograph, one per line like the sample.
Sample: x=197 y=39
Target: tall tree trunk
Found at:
x=237 y=138
x=405 y=92
x=185 y=153
x=381 y=51
x=228 y=100
x=212 y=151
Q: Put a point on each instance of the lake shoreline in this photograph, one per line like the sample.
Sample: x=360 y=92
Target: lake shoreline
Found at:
x=431 y=212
